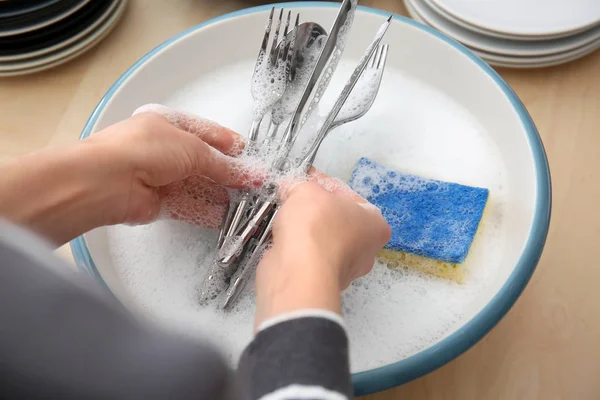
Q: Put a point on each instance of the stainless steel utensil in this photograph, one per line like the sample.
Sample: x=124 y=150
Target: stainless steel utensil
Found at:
x=232 y=223
x=346 y=9
x=248 y=264
x=363 y=97
x=370 y=79
x=308 y=40
x=251 y=227
x=272 y=68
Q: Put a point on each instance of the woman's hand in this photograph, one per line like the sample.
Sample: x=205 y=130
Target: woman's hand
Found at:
x=176 y=165
x=158 y=162
x=324 y=237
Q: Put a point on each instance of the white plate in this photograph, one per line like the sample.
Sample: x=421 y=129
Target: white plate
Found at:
x=521 y=62
x=552 y=58
x=502 y=46
x=66 y=54
x=24 y=56
x=526 y=17
x=482 y=31
x=487 y=32
x=429 y=63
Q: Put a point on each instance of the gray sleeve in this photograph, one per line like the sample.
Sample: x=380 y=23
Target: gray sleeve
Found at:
x=60 y=337
x=304 y=358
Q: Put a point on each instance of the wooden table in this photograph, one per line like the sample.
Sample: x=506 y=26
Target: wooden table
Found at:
x=548 y=346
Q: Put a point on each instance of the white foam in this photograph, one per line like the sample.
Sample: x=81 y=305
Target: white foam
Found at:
x=268 y=84
x=390 y=314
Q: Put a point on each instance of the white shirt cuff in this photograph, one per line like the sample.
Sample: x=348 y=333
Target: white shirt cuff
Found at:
x=308 y=313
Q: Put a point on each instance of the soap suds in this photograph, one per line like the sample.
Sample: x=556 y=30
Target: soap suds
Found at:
x=391 y=313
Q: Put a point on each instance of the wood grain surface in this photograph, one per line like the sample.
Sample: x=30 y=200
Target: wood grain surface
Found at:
x=547 y=347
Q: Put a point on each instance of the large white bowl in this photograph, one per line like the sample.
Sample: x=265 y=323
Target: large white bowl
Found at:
x=418 y=51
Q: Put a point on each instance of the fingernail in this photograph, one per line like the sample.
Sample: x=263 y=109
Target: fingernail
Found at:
x=370 y=207
x=152 y=107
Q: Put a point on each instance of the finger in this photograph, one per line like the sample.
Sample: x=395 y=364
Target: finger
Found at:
x=362 y=268
x=223 y=169
x=287 y=186
x=209 y=219
x=195 y=200
x=223 y=139
x=183 y=155
x=143 y=209
x=335 y=186
x=315 y=176
x=376 y=228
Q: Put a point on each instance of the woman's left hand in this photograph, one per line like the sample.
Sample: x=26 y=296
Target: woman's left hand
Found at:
x=159 y=162
x=178 y=166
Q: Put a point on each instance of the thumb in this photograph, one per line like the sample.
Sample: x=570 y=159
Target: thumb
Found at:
x=375 y=226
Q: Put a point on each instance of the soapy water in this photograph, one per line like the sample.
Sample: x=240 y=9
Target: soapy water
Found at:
x=390 y=313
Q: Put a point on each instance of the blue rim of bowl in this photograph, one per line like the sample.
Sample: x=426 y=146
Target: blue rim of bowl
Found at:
x=458 y=342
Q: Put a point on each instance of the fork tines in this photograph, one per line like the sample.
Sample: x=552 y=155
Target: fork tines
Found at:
x=277 y=52
x=276 y=36
x=379 y=57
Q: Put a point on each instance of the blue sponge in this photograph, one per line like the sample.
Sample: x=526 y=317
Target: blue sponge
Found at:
x=429 y=218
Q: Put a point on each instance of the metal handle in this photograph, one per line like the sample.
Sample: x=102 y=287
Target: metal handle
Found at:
x=247 y=232
x=340 y=19
x=236 y=210
x=248 y=264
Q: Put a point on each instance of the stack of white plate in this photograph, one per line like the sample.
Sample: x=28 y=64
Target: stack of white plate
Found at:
x=39 y=34
x=516 y=33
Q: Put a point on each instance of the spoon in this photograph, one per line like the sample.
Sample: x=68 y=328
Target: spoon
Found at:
x=310 y=38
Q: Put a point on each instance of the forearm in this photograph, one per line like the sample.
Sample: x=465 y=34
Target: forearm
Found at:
x=57 y=193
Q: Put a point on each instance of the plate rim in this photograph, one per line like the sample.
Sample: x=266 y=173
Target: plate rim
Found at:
x=478 y=326
x=29 y=9
x=585 y=38
x=567 y=55
x=56 y=18
x=558 y=60
x=553 y=33
x=499 y=35
x=92 y=37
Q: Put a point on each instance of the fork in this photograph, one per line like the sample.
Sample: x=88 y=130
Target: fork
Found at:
x=271 y=71
x=361 y=101
x=361 y=97
x=276 y=65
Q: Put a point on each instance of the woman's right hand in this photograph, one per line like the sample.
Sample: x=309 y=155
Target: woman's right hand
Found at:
x=323 y=239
